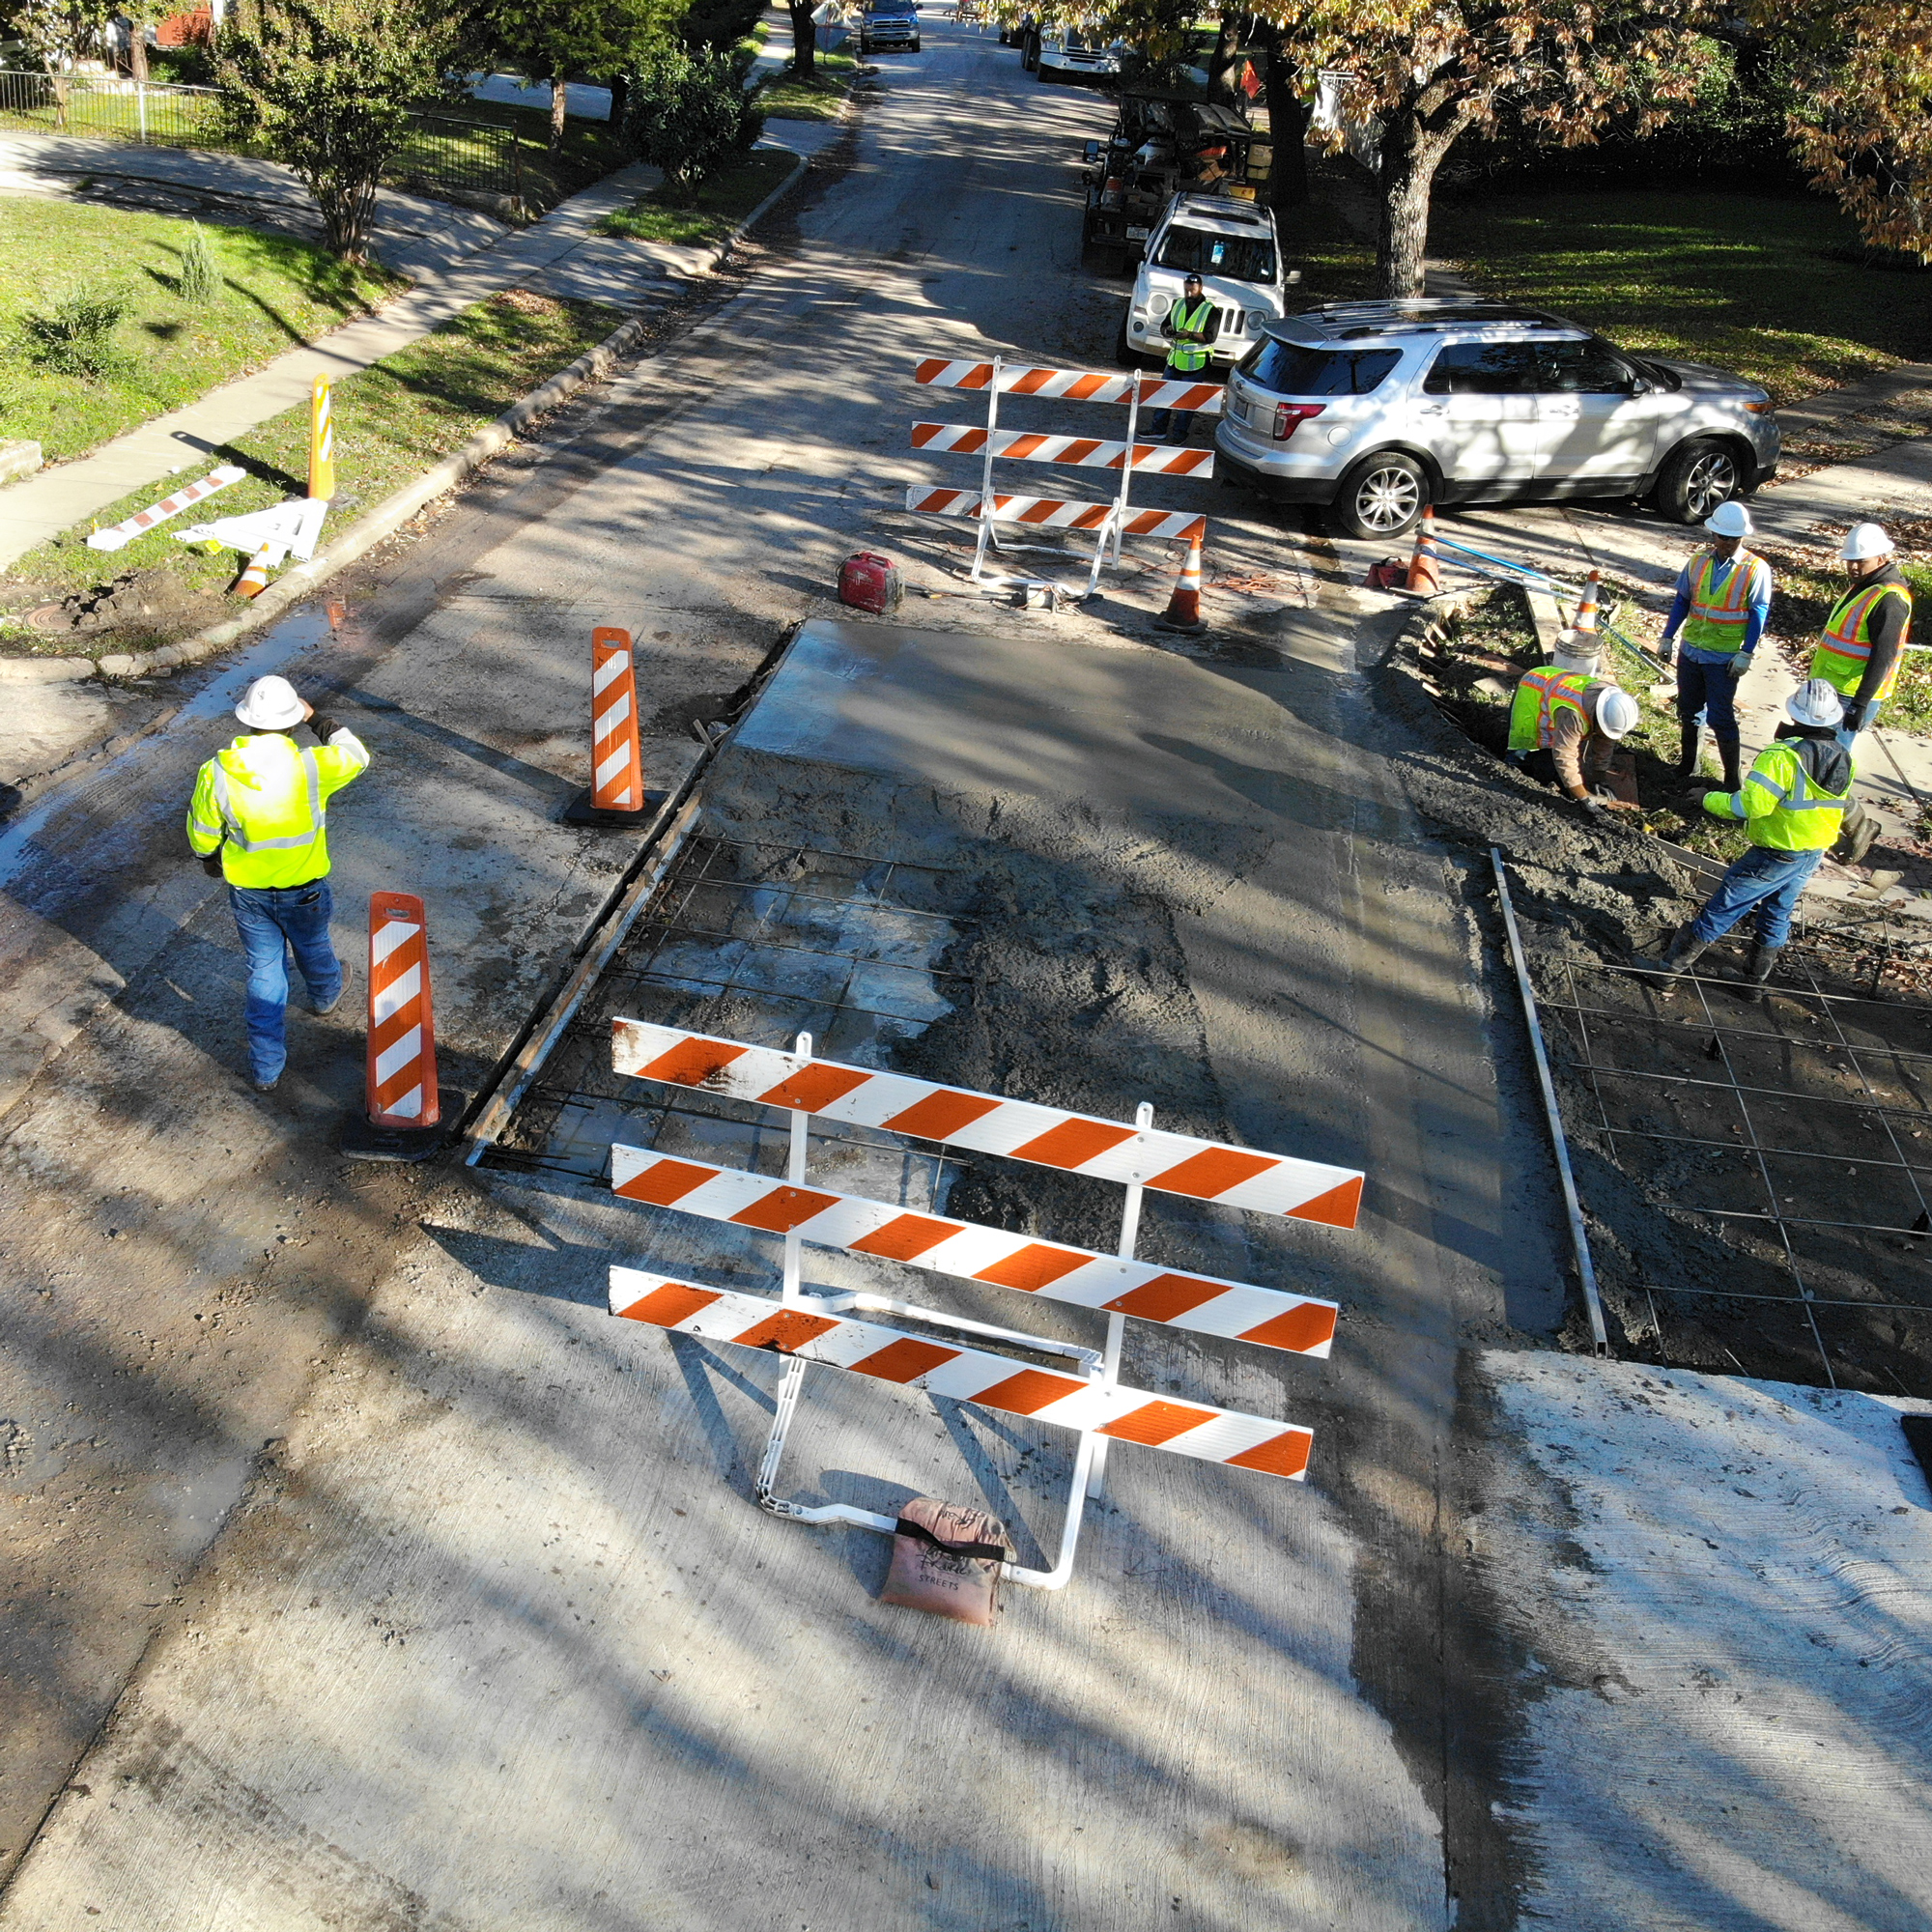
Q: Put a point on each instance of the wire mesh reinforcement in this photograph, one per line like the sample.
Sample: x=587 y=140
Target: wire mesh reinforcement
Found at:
x=1782 y=1152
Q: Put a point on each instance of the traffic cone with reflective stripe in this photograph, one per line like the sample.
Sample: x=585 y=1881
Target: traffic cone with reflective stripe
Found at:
x=255 y=579
x=1183 y=608
x=1587 y=610
x=1425 y=569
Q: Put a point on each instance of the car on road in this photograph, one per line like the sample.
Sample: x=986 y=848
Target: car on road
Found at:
x=888 y=27
x=1233 y=246
x=1372 y=410
x=1070 y=57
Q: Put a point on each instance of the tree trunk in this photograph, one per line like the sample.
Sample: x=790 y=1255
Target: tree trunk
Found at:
x=1288 y=122
x=348 y=215
x=804 y=37
x=137 y=51
x=1415 y=139
x=1224 y=62
x=559 y=106
x=621 y=96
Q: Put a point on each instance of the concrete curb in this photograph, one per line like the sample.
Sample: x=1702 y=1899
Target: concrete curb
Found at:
x=386 y=518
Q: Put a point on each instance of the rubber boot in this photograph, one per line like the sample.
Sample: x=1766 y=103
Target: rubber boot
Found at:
x=1690 y=740
x=1728 y=751
x=1757 y=970
x=1679 y=957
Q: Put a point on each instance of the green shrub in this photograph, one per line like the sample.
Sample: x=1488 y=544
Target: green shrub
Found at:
x=76 y=335
x=686 y=113
x=200 y=278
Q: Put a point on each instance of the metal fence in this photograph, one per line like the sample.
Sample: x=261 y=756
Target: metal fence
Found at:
x=442 y=152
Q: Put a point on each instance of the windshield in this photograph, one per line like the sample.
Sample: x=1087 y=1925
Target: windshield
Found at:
x=1241 y=257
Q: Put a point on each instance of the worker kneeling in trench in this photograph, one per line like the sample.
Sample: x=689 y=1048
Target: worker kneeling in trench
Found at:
x=1564 y=726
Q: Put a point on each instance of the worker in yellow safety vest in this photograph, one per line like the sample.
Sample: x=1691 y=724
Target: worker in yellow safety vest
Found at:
x=1794 y=801
x=258 y=819
x=1723 y=603
x=1189 y=327
x=1865 y=636
x=1576 y=720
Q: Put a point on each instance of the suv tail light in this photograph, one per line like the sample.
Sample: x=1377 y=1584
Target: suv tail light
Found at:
x=1289 y=417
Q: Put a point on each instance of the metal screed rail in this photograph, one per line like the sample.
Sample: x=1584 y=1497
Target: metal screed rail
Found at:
x=818 y=1328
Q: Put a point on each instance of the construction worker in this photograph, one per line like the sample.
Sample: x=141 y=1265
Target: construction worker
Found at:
x=1794 y=802
x=1189 y=327
x=1576 y=720
x=1864 y=637
x=260 y=804
x=1723 y=598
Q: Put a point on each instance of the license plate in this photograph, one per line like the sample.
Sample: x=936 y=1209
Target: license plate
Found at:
x=1139 y=234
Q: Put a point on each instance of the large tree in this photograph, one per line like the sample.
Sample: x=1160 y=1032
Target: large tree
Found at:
x=332 y=87
x=558 y=39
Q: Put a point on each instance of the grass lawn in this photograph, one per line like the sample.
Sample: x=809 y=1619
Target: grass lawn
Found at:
x=589 y=152
x=1751 y=282
x=723 y=202
x=277 y=292
x=393 y=421
x=784 y=98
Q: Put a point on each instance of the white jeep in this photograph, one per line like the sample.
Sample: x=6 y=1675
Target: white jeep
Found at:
x=1232 y=245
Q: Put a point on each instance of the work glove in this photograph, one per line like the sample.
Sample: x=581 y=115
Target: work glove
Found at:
x=211 y=864
x=1855 y=716
x=1596 y=808
x=1740 y=665
x=1664 y=653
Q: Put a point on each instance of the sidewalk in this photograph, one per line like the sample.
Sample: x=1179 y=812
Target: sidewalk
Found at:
x=558 y=256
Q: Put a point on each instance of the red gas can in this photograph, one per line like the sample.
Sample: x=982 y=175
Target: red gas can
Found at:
x=869 y=581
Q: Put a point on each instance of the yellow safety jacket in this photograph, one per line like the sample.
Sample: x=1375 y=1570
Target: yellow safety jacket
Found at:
x=261 y=801
x=1845 y=648
x=1187 y=359
x=1539 y=697
x=1784 y=806
x=1717 y=617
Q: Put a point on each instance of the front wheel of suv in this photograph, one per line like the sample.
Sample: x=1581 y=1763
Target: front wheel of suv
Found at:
x=1695 y=478
x=1382 y=496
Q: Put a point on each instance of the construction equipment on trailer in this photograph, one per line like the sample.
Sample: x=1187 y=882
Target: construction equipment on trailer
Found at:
x=1163 y=144
x=816 y=1327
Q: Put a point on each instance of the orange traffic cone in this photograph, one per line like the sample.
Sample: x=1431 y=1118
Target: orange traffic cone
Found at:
x=255 y=579
x=1587 y=610
x=1425 y=569
x=1183 y=608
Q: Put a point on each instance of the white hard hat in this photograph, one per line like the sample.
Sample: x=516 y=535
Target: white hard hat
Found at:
x=1816 y=703
x=270 y=704
x=1729 y=519
x=1864 y=540
x=1617 y=713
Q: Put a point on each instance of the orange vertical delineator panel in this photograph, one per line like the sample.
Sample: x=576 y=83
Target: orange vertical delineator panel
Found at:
x=402 y=1091
x=321 y=442
x=616 y=765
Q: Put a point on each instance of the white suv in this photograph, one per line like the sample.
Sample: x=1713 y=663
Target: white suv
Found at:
x=1375 y=409
x=1232 y=247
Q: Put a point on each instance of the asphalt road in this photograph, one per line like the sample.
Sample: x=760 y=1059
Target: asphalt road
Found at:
x=288 y=1441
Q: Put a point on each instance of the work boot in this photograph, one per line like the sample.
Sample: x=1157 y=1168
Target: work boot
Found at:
x=1757 y=970
x=1690 y=740
x=1728 y=750
x=1679 y=957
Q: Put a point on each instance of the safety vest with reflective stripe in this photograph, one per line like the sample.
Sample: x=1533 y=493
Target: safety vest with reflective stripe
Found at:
x=1185 y=358
x=1845 y=649
x=1784 y=808
x=1539 y=697
x=262 y=800
x=1717 y=617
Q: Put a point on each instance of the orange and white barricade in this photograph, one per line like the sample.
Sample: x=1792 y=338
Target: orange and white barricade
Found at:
x=1110 y=523
x=818 y=1328
x=616 y=794
x=404 y=1103
x=116 y=536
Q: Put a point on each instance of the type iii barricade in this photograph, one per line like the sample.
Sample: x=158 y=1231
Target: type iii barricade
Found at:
x=819 y=1328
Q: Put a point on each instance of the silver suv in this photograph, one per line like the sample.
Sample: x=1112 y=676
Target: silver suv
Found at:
x=1371 y=409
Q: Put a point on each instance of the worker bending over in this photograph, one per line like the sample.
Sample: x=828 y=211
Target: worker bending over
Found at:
x=1723 y=598
x=1793 y=801
x=1865 y=636
x=261 y=804
x=1576 y=719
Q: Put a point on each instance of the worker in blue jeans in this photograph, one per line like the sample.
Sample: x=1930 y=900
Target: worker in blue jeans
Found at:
x=1724 y=600
x=259 y=820
x=1794 y=801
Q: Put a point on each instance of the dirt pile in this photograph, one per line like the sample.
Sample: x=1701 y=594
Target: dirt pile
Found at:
x=139 y=605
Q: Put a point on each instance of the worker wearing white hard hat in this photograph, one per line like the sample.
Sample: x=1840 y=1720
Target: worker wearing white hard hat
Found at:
x=259 y=820
x=1722 y=604
x=1564 y=726
x=1793 y=804
x=1865 y=636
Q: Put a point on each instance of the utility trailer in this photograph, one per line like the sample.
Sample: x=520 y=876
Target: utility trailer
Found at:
x=1163 y=144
